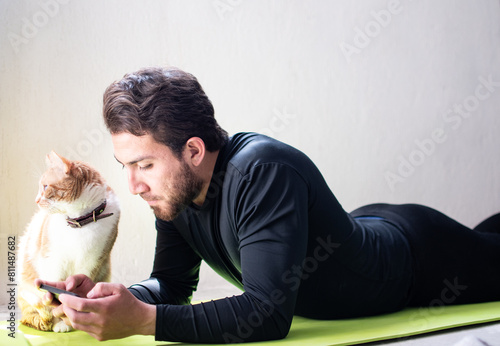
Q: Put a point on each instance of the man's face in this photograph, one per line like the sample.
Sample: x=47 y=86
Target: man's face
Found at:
x=156 y=174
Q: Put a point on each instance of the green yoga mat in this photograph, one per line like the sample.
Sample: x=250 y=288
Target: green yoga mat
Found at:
x=309 y=332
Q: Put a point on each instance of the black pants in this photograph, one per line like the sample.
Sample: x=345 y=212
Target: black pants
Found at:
x=453 y=264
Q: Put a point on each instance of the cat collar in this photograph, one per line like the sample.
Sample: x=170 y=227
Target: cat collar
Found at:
x=93 y=216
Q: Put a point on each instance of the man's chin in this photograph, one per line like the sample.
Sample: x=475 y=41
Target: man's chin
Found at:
x=161 y=214
x=166 y=215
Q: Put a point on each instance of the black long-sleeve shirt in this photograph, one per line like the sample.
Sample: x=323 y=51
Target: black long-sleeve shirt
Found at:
x=271 y=226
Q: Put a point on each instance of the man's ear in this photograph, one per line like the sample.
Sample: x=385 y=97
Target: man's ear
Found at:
x=194 y=151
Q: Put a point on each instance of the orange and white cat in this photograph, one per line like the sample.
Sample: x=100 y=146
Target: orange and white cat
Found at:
x=73 y=232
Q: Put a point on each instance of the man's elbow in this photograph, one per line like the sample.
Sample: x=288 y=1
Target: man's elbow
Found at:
x=274 y=327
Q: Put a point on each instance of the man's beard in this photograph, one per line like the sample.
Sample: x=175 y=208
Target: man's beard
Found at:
x=187 y=188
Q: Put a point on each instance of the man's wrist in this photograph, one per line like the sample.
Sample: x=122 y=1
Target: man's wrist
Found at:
x=149 y=320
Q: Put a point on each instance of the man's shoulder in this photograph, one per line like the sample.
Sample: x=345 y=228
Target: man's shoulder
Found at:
x=245 y=151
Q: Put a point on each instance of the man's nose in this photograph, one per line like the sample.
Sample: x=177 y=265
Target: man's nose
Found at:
x=136 y=185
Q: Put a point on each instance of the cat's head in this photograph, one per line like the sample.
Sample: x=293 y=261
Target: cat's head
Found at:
x=68 y=182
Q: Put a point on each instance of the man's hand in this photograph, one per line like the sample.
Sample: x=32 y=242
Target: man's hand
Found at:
x=110 y=311
x=80 y=284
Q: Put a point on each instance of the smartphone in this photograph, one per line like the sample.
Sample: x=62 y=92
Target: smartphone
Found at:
x=56 y=291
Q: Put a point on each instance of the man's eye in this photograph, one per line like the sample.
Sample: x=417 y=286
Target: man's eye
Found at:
x=146 y=167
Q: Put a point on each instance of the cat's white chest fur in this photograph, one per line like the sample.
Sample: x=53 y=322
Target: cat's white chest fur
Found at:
x=71 y=250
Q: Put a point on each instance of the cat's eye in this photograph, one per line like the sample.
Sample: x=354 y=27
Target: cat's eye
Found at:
x=44 y=187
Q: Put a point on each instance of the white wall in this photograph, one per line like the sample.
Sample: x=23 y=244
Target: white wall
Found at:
x=371 y=90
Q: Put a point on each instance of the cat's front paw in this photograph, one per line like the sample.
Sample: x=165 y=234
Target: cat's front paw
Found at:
x=61 y=327
x=35 y=321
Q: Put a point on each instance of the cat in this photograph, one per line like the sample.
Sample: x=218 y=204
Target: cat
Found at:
x=72 y=232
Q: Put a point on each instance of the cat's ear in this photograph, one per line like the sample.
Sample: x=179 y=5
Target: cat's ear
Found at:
x=56 y=161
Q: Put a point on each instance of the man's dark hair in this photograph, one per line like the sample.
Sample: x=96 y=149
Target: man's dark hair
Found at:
x=167 y=103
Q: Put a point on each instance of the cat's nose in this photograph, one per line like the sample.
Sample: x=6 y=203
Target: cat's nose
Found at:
x=38 y=198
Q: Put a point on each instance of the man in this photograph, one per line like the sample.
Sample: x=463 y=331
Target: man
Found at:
x=261 y=215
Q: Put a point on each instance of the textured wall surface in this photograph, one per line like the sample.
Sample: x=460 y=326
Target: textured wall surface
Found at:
x=396 y=101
